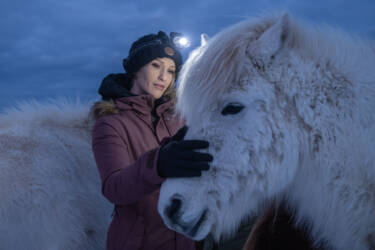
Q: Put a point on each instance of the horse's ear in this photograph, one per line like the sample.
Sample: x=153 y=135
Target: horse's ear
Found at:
x=272 y=40
x=204 y=39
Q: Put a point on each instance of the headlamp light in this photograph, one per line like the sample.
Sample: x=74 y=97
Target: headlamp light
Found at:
x=179 y=40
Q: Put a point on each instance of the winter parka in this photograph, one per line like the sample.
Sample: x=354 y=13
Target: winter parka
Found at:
x=126 y=144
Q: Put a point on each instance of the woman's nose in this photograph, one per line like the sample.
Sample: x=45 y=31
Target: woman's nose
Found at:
x=162 y=75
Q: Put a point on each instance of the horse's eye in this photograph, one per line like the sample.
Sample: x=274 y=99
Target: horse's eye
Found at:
x=232 y=109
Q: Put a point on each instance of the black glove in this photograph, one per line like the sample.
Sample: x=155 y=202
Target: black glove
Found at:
x=177 y=158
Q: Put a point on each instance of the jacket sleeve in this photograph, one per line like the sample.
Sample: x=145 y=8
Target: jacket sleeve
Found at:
x=123 y=182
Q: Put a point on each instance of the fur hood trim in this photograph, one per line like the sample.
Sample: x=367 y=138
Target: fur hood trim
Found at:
x=102 y=108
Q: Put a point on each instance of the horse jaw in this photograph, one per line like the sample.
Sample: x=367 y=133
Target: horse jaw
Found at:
x=193 y=218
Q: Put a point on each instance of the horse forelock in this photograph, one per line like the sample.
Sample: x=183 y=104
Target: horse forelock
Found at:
x=218 y=66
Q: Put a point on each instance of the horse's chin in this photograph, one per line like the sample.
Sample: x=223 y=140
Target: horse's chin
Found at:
x=197 y=229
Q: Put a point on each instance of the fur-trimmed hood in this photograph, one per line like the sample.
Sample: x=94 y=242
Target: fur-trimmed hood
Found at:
x=102 y=108
x=115 y=91
x=115 y=86
x=112 y=87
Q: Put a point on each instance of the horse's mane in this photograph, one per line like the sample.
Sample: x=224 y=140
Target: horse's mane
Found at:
x=58 y=113
x=216 y=67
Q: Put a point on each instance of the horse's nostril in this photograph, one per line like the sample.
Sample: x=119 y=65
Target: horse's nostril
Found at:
x=172 y=210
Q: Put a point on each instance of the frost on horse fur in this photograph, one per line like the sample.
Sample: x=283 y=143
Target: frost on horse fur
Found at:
x=49 y=184
x=288 y=110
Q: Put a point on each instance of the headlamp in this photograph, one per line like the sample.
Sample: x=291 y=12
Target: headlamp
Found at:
x=179 y=40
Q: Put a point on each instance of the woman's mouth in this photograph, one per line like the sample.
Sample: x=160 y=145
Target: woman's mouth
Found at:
x=159 y=86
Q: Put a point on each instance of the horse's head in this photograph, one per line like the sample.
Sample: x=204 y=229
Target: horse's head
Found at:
x=233 y=94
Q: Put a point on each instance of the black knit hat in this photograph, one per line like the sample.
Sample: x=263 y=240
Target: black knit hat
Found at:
x=149 y=47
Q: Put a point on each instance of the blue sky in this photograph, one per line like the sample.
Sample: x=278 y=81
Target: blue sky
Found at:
x=54 y=48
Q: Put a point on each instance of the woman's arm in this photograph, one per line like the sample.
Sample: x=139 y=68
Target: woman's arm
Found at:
x=123 y=182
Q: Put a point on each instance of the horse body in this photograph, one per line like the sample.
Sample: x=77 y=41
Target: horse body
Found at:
x=288 y=111
x=49 y=183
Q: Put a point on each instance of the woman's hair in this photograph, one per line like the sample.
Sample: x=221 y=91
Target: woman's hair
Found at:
x=170 y=92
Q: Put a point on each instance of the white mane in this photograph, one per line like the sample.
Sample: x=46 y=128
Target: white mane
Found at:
x=49 y=184
x=224 y=57
x=306 y=133
x=53 y=113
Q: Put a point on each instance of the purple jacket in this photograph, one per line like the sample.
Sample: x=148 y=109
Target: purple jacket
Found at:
x=126 y=145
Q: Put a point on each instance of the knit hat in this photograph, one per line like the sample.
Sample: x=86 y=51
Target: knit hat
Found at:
x=149 y=47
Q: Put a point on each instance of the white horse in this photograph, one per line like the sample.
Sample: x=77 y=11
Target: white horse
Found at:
x=49 y=184
x=289 y=112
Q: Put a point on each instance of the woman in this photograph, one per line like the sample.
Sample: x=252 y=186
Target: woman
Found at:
x=136 y=146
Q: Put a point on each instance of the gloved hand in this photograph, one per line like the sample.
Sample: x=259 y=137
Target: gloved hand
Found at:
x=177 y=158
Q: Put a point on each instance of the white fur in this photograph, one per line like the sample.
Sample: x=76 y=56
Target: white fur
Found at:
x=306 y=134
x=49 y=183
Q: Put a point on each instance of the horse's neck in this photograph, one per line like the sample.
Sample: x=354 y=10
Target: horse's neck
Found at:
x=321 y=195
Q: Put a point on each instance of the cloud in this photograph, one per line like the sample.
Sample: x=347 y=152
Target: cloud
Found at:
x=51 y=47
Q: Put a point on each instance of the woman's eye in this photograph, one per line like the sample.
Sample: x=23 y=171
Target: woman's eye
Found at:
x=171 y=72
x=155 y=65
x=232 y=109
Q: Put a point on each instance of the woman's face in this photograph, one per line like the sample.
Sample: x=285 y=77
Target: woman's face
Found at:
x=154 y=78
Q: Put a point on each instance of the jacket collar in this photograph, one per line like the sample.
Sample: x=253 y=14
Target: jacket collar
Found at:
x=144 y=104
x=117 y=88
